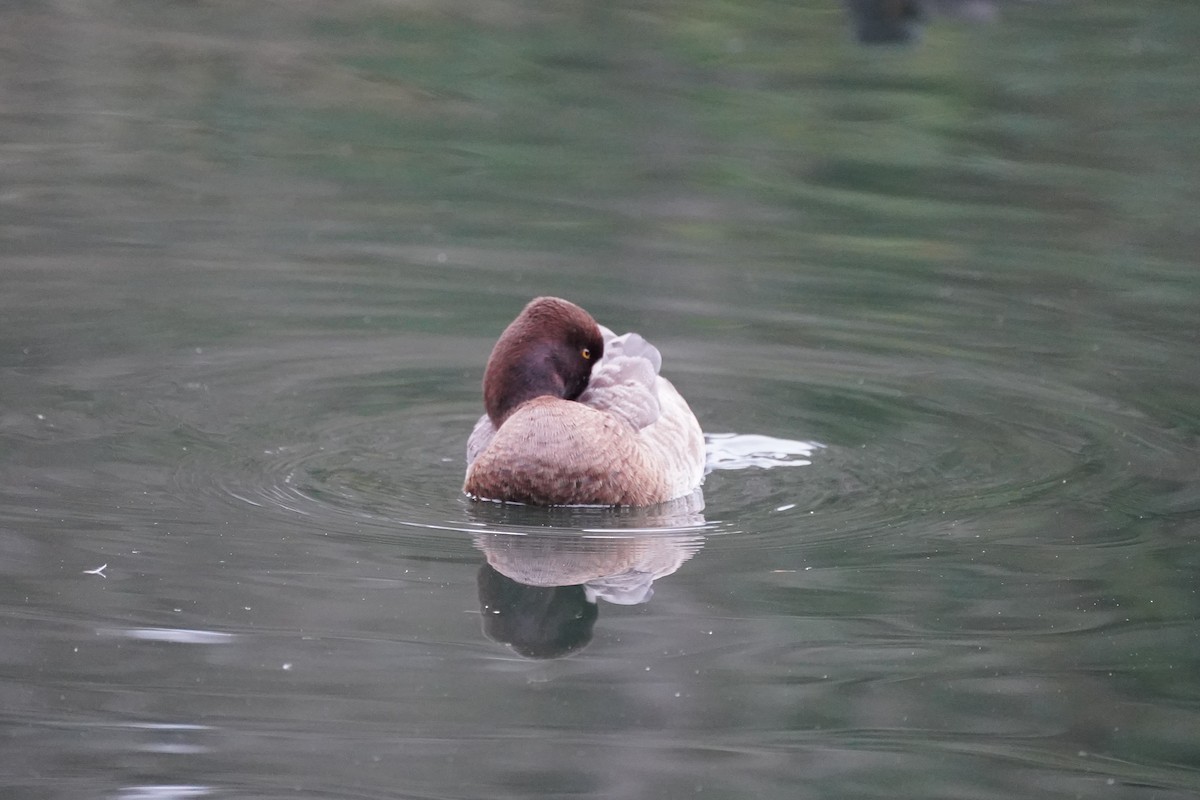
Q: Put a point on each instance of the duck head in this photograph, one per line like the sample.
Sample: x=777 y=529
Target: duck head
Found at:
x=548 y=350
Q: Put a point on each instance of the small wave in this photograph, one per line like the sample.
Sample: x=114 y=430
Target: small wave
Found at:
x=177 y=635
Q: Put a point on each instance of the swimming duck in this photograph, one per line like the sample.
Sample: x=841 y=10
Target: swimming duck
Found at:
x=577 y=415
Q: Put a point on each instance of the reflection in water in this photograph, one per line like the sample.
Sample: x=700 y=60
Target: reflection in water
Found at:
x=537 y=621
x=679 y=515
x=538 y=590
x=619 y=570
x=547 y=566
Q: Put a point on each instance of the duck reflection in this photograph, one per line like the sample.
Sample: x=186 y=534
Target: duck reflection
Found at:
x=540 y=587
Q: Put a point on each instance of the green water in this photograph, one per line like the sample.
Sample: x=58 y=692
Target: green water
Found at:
x=252 y=262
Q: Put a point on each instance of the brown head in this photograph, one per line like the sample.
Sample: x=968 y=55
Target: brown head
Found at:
x=548 y=350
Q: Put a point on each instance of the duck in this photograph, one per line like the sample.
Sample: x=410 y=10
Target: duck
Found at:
x=577 y=415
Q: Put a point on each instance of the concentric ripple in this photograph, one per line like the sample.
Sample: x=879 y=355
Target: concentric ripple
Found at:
x=356 y=451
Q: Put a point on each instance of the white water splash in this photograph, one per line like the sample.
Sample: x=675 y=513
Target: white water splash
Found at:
x=742 y=451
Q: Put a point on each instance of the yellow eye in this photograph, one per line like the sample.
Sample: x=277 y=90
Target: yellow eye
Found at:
x=586 y=353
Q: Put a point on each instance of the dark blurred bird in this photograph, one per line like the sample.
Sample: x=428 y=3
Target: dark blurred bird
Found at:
x=900 y=21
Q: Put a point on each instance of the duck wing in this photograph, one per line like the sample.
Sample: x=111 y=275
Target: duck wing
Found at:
x=625 y=382
x=481 y=436
x=626 y=385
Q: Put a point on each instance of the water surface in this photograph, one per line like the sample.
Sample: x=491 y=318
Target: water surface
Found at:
x=936 y=305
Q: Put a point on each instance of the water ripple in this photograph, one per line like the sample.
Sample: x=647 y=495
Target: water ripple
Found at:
x=352 y=451
x=176 y=635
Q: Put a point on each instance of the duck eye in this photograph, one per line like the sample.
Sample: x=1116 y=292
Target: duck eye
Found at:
x=586 y=353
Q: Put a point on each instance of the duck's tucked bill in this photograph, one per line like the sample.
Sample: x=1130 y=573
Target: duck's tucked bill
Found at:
x=577 y=415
